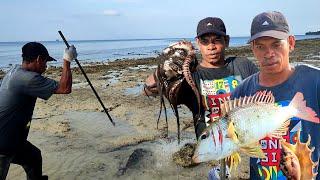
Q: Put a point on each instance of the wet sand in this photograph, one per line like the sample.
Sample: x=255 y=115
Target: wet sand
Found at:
x=78 y=141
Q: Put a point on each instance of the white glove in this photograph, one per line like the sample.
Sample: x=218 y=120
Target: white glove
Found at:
x=70 y=53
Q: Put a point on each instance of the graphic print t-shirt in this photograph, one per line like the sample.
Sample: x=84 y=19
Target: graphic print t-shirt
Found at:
x=306 y=80
x=216 y=84
x=213 y=92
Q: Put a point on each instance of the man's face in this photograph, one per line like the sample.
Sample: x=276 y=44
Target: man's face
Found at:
x=272 y=53
x=41 y=64
x=212 y=49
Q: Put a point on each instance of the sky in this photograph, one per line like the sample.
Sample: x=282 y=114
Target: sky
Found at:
x=40 y=20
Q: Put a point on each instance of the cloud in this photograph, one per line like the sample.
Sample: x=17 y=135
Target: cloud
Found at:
x=111 y=12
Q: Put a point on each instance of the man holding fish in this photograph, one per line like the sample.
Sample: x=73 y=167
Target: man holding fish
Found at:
x=216 y=76
x=278 y=82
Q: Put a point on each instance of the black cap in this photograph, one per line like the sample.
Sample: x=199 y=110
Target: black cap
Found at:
x=270 y=24
x=32 y=50
x=211 y=25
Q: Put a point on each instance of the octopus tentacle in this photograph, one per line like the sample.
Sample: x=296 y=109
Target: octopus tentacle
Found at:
x=176 y=112
x=166 y=115
x=174 y=89
x=162 y=86
x=160 y=91
x=159 y=115
x=187 y=74
x=173 y=102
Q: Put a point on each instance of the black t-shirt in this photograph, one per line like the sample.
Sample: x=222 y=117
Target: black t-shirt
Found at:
x=215 y=84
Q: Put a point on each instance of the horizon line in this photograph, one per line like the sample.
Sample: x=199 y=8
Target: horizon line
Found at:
x=124 y=39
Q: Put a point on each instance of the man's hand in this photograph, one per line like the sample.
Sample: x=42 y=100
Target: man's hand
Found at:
x=150 y=86
x=289 y=164
x=70 y=53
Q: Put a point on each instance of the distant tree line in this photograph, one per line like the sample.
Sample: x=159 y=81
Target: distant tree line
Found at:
x=313 y=33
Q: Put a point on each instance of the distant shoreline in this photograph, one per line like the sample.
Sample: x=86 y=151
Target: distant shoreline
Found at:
x=313 y=33
x=305 y=49
x=138 y=39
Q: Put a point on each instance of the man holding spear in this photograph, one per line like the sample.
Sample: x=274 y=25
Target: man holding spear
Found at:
x=19 y=90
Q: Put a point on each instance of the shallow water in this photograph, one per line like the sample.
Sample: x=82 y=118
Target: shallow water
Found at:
x=98 y=124
x=134 y=90
x=164 y=149
x=113 y=77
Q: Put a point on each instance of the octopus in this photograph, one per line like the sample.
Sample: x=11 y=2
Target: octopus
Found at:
x=174 y=80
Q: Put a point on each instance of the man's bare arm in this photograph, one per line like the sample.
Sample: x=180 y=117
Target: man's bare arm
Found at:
x=65 y=83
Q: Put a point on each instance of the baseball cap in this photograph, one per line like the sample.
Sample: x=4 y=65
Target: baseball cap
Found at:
x=211 y=25
x=271 y=24
x=32 y=50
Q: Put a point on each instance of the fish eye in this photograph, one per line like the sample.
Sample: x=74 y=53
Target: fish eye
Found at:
x=204 y=136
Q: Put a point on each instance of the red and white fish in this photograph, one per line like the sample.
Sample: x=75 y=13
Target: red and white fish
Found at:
x=245 y=122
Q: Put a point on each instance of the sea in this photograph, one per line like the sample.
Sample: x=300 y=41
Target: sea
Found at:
x=106 y=50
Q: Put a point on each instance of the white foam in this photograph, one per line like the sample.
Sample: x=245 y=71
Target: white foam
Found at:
x=164 y=150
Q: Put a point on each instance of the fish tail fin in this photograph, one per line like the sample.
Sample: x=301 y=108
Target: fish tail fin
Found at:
x=302 y=111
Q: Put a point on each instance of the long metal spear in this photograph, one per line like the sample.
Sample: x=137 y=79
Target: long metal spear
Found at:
x=85 y=75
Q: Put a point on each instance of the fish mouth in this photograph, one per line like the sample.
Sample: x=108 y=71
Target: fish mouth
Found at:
x=195 y=159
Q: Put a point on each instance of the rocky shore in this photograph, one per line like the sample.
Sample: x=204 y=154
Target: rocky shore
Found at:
x=78 y=141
